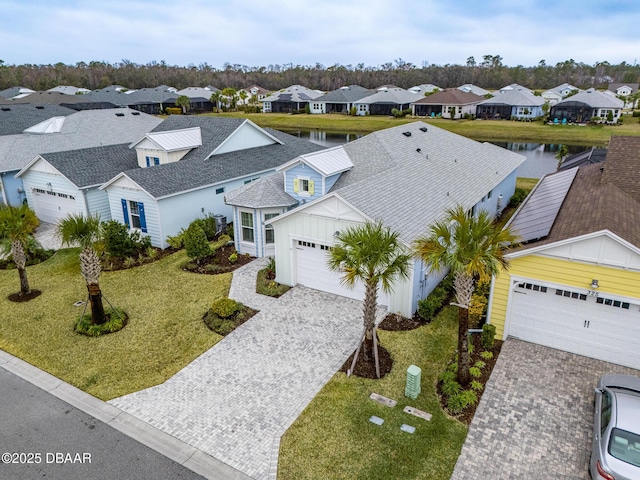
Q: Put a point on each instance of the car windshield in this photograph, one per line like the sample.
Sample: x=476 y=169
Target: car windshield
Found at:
x=625 y=446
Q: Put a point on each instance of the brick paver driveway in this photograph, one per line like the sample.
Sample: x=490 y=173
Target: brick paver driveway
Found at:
x=534 y=420
x=236 y=400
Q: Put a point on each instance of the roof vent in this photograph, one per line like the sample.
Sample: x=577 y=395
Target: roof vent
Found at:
x=406 y=134
x=119 y=114
x=423 y=129
x=135 y=113
x=5 y=109
x=418 y=150
x=40 y=107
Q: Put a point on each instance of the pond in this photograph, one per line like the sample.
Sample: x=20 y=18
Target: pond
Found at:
x=540 y=157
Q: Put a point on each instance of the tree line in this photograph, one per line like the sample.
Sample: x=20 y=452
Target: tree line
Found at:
x=489 y=73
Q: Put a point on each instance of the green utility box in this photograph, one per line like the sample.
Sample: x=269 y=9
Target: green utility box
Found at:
x=412 y=389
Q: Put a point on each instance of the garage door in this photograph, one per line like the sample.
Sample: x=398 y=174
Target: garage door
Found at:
x=53 y=206
x=312 y=272
x=569 y=319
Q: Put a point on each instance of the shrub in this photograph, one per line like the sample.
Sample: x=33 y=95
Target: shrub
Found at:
x=453 y=367
x=271 y=268
x=120 y=243
x=225 y=307
x=456 y=403
x=173 y=110
x=129 y=262
x=477 y=308
x=428 y=307
x=480 y=364
x=475 y=372
x=451 y=388
x=486 y=355
x=354 y=111
x=233 y=258
x=177 y=241
x=196 y=244
x=152 y=253
x=208 y=225
x=488 y=336
x=219 y=325
x=230 y=231
x=477 y=386
x=518 y=197
x=447 y=376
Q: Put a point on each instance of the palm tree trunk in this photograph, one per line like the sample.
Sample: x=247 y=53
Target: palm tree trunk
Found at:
x=98 y=316
x=369 y=318
x=20 y=259
x=463 y=346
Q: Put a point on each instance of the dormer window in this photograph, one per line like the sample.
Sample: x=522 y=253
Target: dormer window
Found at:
x=303 y=186
x=152 y=161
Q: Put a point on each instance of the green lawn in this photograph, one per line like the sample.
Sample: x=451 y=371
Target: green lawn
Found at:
x=334 y=438
x=484 y=130
x=164 y=334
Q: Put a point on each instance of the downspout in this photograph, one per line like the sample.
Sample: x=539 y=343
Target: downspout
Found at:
x=83 y=192
x=2 y=188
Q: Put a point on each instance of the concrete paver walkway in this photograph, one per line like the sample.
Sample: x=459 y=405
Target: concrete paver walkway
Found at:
x=236 y=400
x=535 y=417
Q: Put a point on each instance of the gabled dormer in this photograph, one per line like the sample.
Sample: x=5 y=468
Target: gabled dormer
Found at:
x=157 y=148
x=247 y=135
x=312 y=175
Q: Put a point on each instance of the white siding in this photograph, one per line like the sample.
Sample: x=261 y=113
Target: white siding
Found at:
x=117 y=193
x=50 y=180
x=247 y=136
x=98 y=203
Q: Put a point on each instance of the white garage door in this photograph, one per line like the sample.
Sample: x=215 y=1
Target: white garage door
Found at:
x=53 y=206
x=312 y=272
x=569 y=319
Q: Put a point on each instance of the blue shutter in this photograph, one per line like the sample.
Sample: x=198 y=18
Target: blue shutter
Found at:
x=125 y=212
x=156 y=161
x=148 y=162
x=143 y=220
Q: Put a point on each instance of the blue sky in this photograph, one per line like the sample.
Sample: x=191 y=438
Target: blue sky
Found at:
x=346 y=32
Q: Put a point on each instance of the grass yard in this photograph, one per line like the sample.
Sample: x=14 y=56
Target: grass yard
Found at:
x=164 y=334
x=483 y=130
x=334 y=438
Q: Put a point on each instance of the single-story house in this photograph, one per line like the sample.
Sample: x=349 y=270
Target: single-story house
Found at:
x=340 y=100
x=187 y=164
x=625 y=90
x=370 y=179
x=385 y=100
x=517 y=87
x=574 y=283
x=559 y=93
x=471 y=88
x=199 y=98
x=69 y=90
x=15 y=92
x=583 y=106
x=511 y=103
x=450 y=103
x=59 y=133
x=424 y=89
x=295 y=97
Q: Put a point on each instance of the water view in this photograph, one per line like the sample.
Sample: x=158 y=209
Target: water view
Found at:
x=540 y=157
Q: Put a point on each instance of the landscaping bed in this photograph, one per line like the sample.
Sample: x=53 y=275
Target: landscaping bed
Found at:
x=225 y=315
x=266 y=284
x=225 y=259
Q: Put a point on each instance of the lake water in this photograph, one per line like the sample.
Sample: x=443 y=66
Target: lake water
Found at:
x=540 y=157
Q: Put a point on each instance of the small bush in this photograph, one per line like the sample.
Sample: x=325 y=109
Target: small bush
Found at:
x=475 y=372
x=456 y=403
x=453 y=367
x=225 y=307
x=428 y=307
x=477 y=386
x=208 y=225
x=518 y=197
x=451 y=388
x=173 y=110
x=119 y=242
x=130 y=262
x=233 y=258
x=480 y=364
x=477 y=308
x=470 y=346
x=447 y=376
x=488 y=336
x=177 y=241
x=152 y=253
x=230 y=231
x=196 y=244
x=486 y=355
x=220 y=325
x=116 y=320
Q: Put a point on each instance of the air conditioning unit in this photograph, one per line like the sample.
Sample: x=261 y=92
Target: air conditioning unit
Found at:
x=221 y=223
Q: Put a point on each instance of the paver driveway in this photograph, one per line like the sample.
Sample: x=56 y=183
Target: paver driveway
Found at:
x=236 y=400
x=534 y=419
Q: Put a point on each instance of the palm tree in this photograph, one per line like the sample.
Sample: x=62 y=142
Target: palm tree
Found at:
x=183 y=102
x=372 y=254
x=215 y=99
x=243 y=95
x=470 y=247
x=17 y=224
x=86 y=231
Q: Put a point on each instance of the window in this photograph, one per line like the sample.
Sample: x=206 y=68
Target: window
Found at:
x=568 y=294
x=303 y=186
x=152 y=161
x=247 y=226
x=612 y=303
x=533 y=286
x=135 y=214
x=219 y=190
x=489 y=194
x=268 y=229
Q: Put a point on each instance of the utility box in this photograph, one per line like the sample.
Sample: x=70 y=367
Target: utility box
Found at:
x=412 y=389
x=221 y=223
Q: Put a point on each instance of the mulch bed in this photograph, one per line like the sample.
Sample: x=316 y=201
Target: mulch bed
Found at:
x=397 y=323
x=368 y=369
x=467 y=414
x=219 y=262
x=113 y=264
x=16 y=297
x=247 y=313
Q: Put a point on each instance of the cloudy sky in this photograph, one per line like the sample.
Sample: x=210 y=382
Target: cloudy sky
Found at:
x=304 y=32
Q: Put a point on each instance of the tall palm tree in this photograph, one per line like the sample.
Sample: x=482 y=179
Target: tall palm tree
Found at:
x=470 y=247
x=86 y=231
x=215 y=99
x=17 y=224
x=183 y=102
x=372 y=254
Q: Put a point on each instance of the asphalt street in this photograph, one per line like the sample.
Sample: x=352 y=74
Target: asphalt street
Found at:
x=42 y=436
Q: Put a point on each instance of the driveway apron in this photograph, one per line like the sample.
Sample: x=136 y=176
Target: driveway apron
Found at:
x=236 y=400
x=535 y=417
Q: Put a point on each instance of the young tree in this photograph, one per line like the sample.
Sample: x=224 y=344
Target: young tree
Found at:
x=17 y=224
x=372 y=254
x=183 y=102
x=196 y=244
x=470 y=247
x=86 y=232
x=562 y=152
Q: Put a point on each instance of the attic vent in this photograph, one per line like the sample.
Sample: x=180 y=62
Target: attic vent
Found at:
x=418 y=150
x=423 y=129
x=40 y=107
x=135 y=113
x=406 y=134
x=119 y=114
x=6 y=109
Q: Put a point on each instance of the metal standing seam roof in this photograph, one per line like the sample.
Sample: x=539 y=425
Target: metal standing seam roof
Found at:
x=174 y=140
x=538 y=213
x=328 y=162
x=408 y=182
x=263 y=193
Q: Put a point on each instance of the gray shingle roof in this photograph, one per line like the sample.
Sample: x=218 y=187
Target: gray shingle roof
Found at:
x=451 y=96
x=263 y=193
x=294 y=93
x=44 y=98
x=408 y=182
x=195 y=170
x=14 y=119
x=594 y=99
x=346 y=94
x=514 y=98
x=93 y=166
x=84 y=129
x=396 y=96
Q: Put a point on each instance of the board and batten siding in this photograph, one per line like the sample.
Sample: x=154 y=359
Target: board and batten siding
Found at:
x=615 y=281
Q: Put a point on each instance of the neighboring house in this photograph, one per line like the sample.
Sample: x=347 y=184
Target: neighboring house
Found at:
x=14 y=119
x=511 y=103
x=340 y=100
x=404 y=176
x=199 y=97
x=385 y=100
x=450 y=103
x=76 y=102
x=15 y=92
x=69 y=90
x=588 y=157
x=574 y=284
x=557 y=94
x=84 y=129
x=63 y=183
x=290 y=99
x=151 y=100
x=254 y=93
x=471 y=88
x=516 y=87
x=187 y=165
x=625 y=90
x=424 y=89
x=583 y=106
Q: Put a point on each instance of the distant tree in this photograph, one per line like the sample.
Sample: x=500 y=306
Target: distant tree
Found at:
x=243 y=95
x=229 y=94
x=183 y=102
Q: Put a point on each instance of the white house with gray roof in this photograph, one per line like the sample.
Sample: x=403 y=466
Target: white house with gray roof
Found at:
x=385 y=100
x=405 y=177
x=340 y=100
x=511 y=103
x=287 y=100
x=585 y=105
